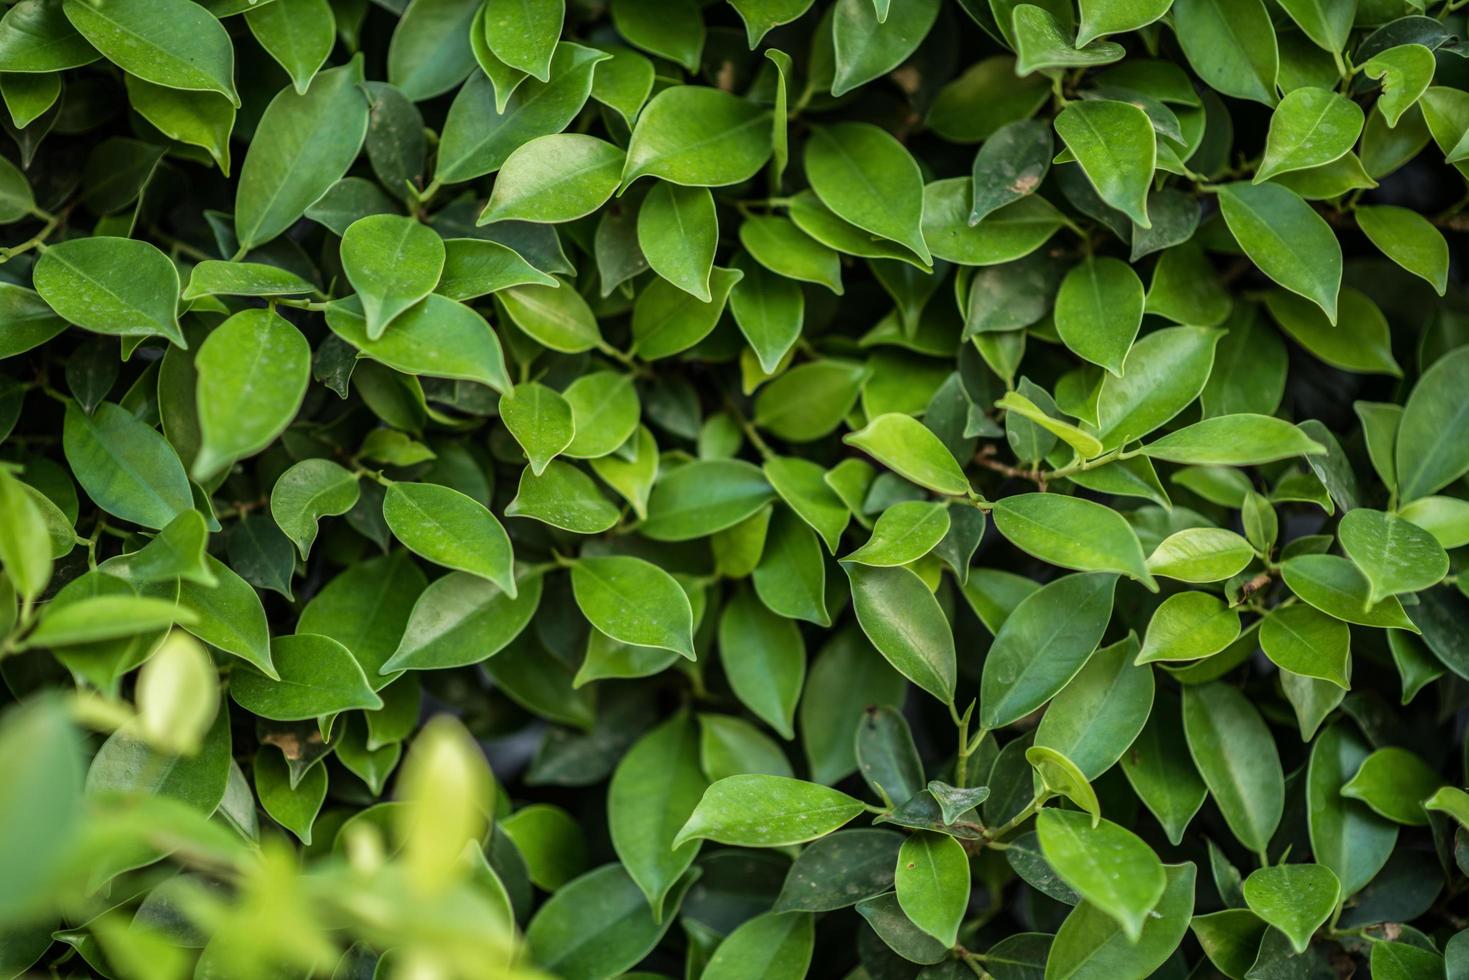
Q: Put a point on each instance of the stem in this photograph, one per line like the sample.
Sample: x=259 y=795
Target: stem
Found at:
x=38 y=240
x=1015 y=821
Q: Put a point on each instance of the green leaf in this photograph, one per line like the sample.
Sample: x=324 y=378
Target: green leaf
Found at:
x=1233 y=440
x=1297 y=899
x=114 y=286
x=652 y=794
x=905 y=622
x=802 y=485
x=474 y=268
x=524 y=35
x=867 y=178
x=897 y=931
x=1288 y=240
x=904 y=533
x=670 y=30
x=764 y=659
x=563 y=496
x=1099 y=713
x=1325 y=22
x=307 y=492
x=1012 y=232
x=887 y=758
x=1406 y=72
x=484 y=126
x=540 y=420
x=42 y=763
x=1162 y=774
x=126 y=764
x=1334 y=585
x=1043 y=643
x=103 y=617
x=1042 y=43
x=667 y=321
x=1100 y=17
x=599 y=923
x=732 y=747
x=228 y=615
x=869 y=46
x=1306 y=642
x=1201 y=554
x=214 y=278
x=1116 y=148
x=634 y=601
x=1395 y=555
x=1098 y=311
x=840 y=869
x=25 y=548
x=932 y=882
x=780 y=246
x=1360 y=340
x=1310 y=127
x=451 y=529
x=760 y=16
x=1110 y=867
x=253 y=372
x=560 y=177
x=125 y=466
x=908 y=447
x=1092 y=945
x=698 y=137
x=392 y=263
x=172 y=43
x=437 y=337
x=1235 y=754
x=303 y=144
x=462 y=619
x=767 y=811
x=1401 y=961
x=201 y=119
x=293 y=806
x=1010 y=165
x=678 y=230
x=317 y=677
x=1073 y=533
x=1427 y=454
x=1408 y=239
x=1056 y=775
x=777 y=945
x=1189 y=626
x=703 y=497
x=1394 y=782
x=299 y=35
x=1231 y=45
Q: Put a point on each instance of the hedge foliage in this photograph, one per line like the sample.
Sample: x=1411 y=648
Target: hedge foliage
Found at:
x=874 y=489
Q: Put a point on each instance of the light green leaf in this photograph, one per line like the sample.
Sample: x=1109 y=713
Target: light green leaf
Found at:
x=437 y=337
x=1236 y=755
x=1335 y=586
x=652 y=794
x=904 y=533
x=114 y=286
x=905 y=622
x=869 y=46
x=678 y=230
x=698 y=137
x=767 y=811
x=764 y=659
x=540 y=420
x=563 y=496
x=703 y=497
x=1410 y=240
x=317 y=677
x=1231 y=46
x=1042 y=43
x=174 y=43
x=560 y=177
x=1395 y=555
x=1359 y=341
x=392 y=263
x=1406 y=72
x=1109 y=866
x=1311 y=127
x=1394 y=782
x=253 y=371
x=1233 y=440
x=299 y=35
x=1098 y=311
x=932 y=882
x=867 y=178
x=775 y=945
x=125 y=466
x=1116 y=148
x=635 y=602
x=1189 y=626
x=451 y=529
x=1042 y=644
x=1429 y=455
x=1073 y=533
x=667 y=321
x=524 y=35
x=303 y=144
x=908 y=447
x=1306 y=642
x=1297 y=899
x=1288 y=240
x=1100 y=17
x=1096 y=717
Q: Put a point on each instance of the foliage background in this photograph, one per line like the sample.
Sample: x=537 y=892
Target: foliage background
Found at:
x=875 y=488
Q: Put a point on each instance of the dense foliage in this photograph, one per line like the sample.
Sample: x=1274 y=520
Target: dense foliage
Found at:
x=872 y=488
